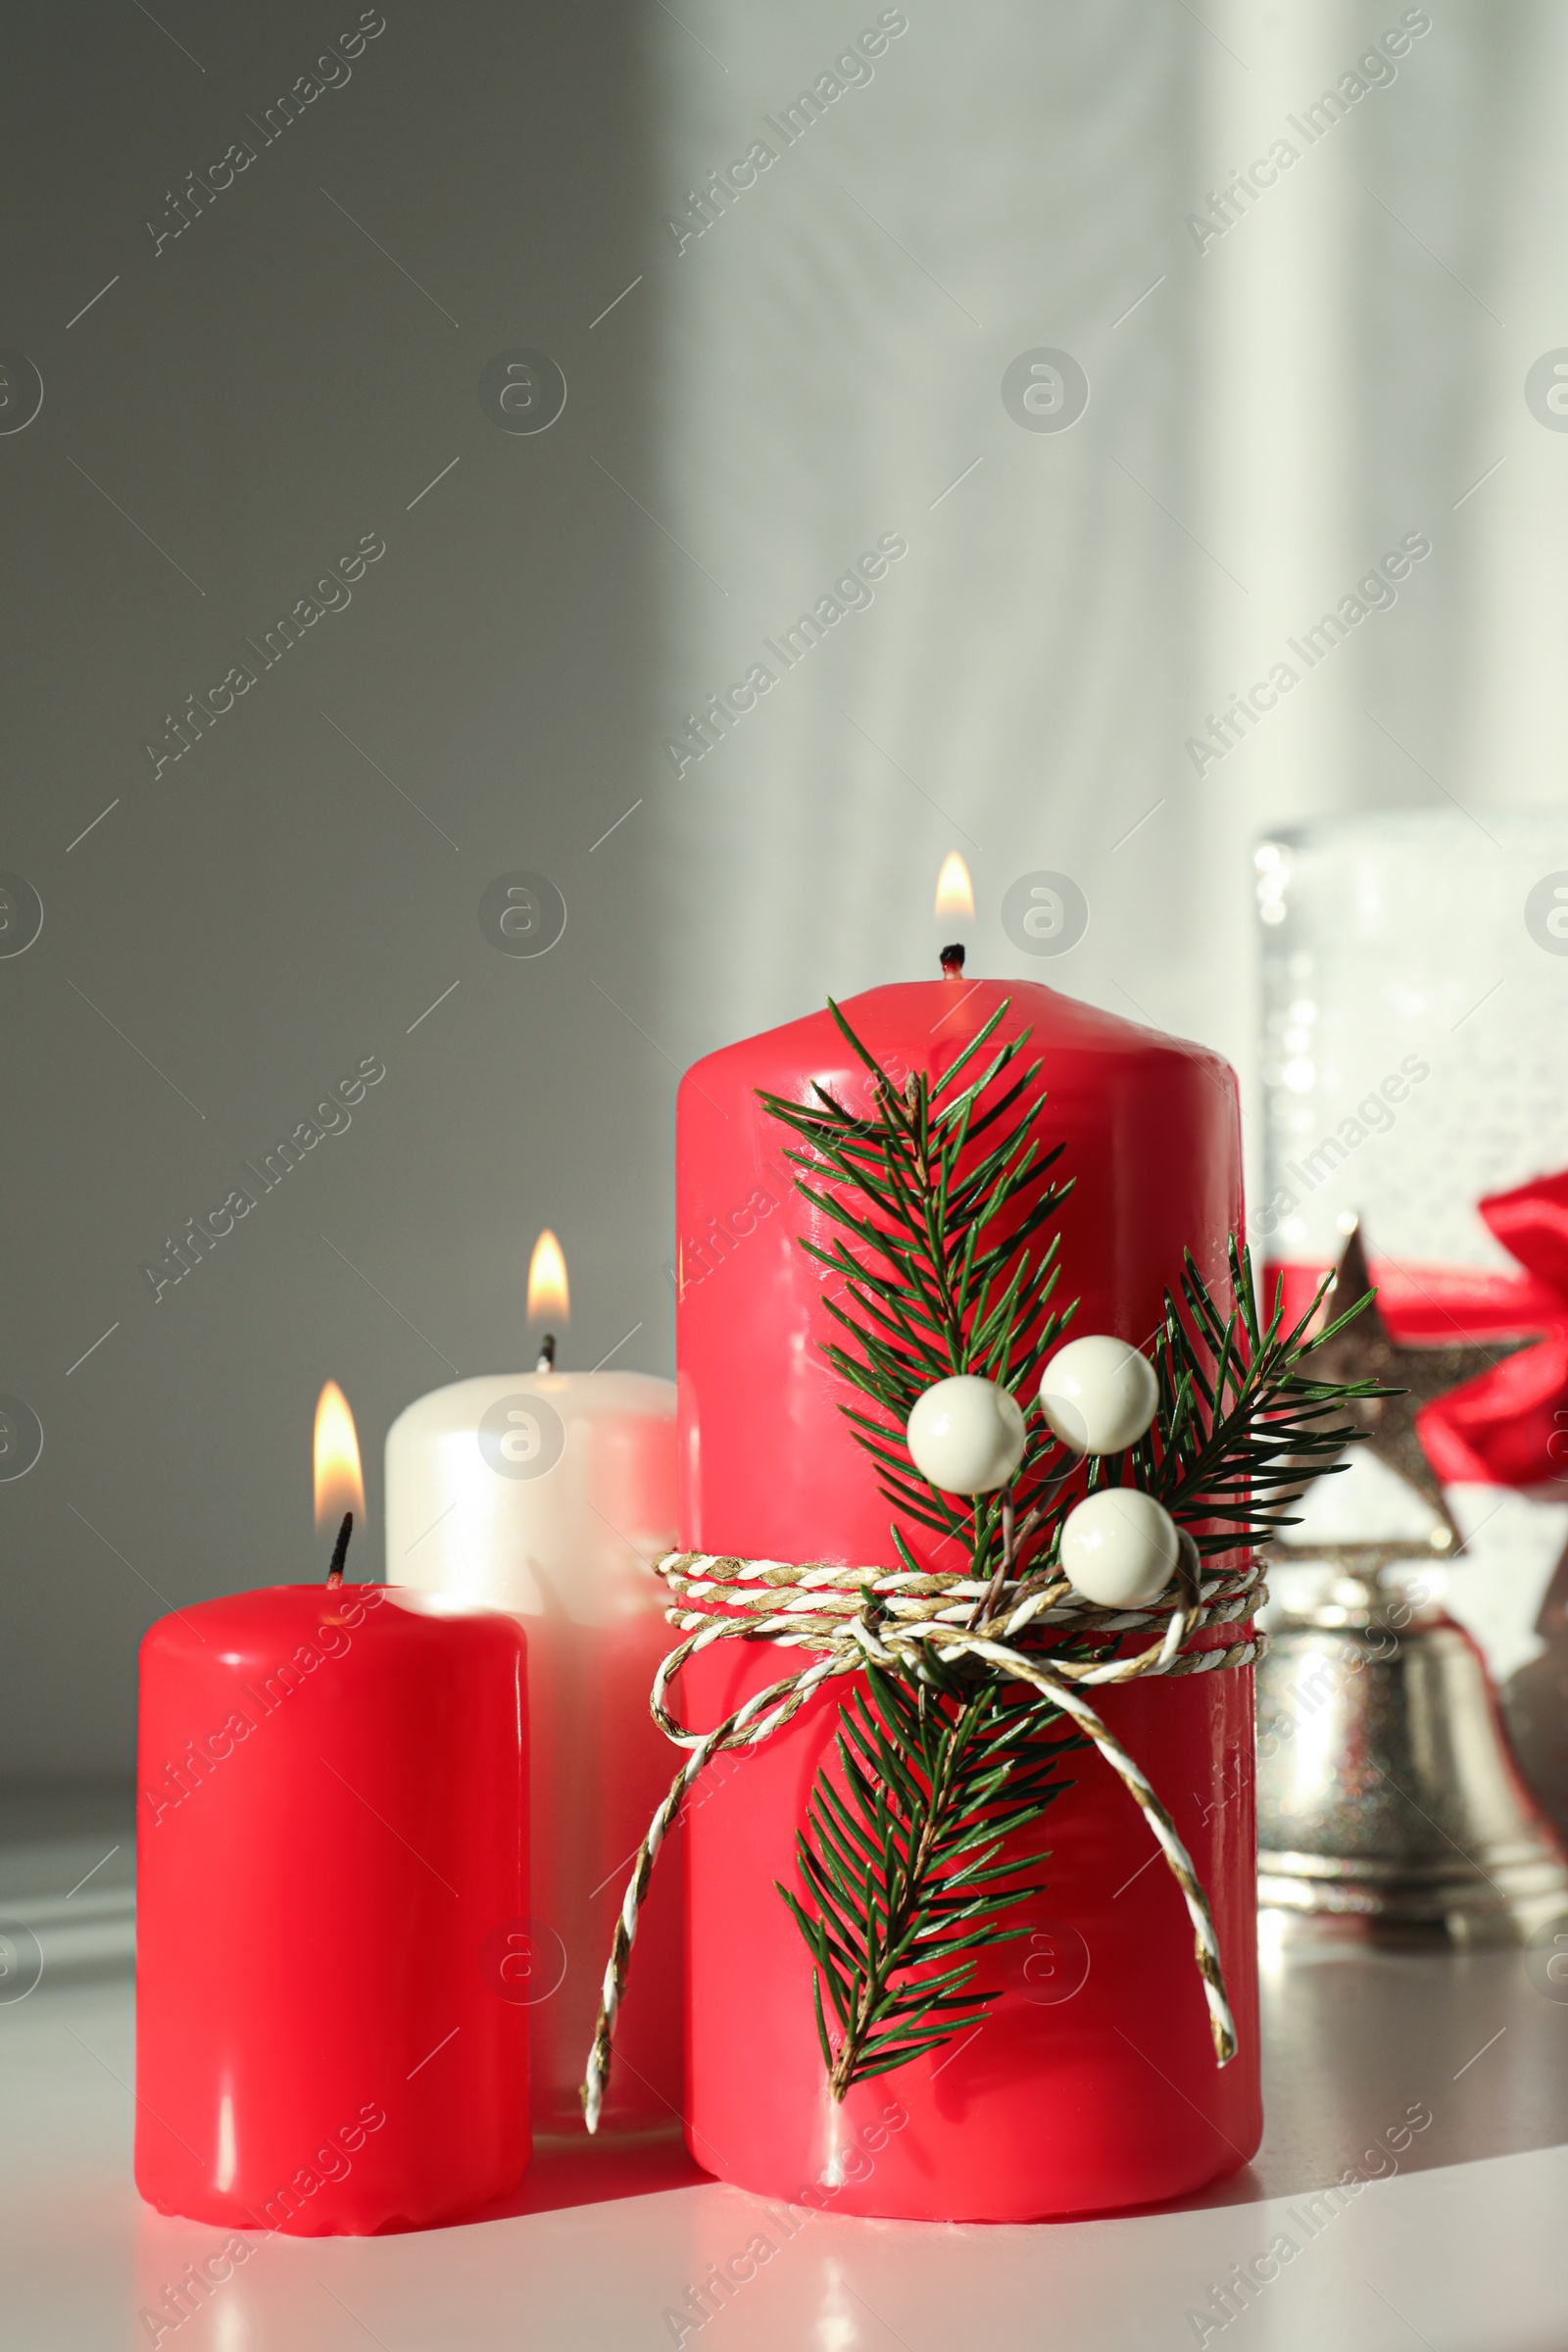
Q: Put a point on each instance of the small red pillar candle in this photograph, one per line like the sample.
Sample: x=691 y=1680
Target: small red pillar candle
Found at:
x=331 y=1859
x=1092 y=2084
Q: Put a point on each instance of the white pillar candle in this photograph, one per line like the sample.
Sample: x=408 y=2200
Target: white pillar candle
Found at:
x=550 y=1494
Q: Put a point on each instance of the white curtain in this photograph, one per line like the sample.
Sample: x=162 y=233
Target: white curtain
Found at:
x=1277 y=399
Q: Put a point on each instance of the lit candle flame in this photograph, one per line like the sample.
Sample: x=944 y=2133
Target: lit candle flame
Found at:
x=954 y=890
x=339 y=1486
x=548 y=1294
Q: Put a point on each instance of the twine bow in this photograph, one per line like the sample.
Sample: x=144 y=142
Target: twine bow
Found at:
x=900 y=1620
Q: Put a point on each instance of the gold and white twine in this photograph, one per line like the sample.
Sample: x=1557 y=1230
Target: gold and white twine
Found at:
x=899 y=1619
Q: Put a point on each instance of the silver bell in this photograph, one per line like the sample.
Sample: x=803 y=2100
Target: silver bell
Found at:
x=1386 y=1791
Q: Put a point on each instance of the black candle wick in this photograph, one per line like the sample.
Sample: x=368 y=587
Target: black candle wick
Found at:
x=952 y=959
x=334 y=1573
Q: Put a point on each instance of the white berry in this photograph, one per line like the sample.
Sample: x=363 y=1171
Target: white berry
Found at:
x=966 y=1435
x=1119 y=1547
x=1098 y=1395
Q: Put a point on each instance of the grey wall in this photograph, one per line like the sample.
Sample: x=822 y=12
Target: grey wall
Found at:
x=821 y=367
x=255 y=395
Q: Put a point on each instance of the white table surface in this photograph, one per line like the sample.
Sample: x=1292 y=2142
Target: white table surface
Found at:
x=1464 y=2249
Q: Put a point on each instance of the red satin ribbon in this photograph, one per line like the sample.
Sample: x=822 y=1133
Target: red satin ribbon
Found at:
x=1509 y=1426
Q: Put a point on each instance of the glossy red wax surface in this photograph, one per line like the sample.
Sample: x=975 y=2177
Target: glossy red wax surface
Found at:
x=1106 y=2097
x=331 y=1857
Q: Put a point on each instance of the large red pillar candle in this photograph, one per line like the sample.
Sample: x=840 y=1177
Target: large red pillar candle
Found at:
x=331 y=1880
x=1092 y=2083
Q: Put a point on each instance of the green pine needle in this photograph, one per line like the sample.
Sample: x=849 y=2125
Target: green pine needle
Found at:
x=936 y=1208
x=903 y=1855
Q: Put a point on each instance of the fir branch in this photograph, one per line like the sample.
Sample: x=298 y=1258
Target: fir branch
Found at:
x=934 y=1203
x=903 y=1859
x=934 y=1209
x=1241 y=1426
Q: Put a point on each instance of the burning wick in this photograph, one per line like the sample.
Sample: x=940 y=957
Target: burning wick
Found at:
x=547 y=1354
x=334 y=1573
x=953 y=961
